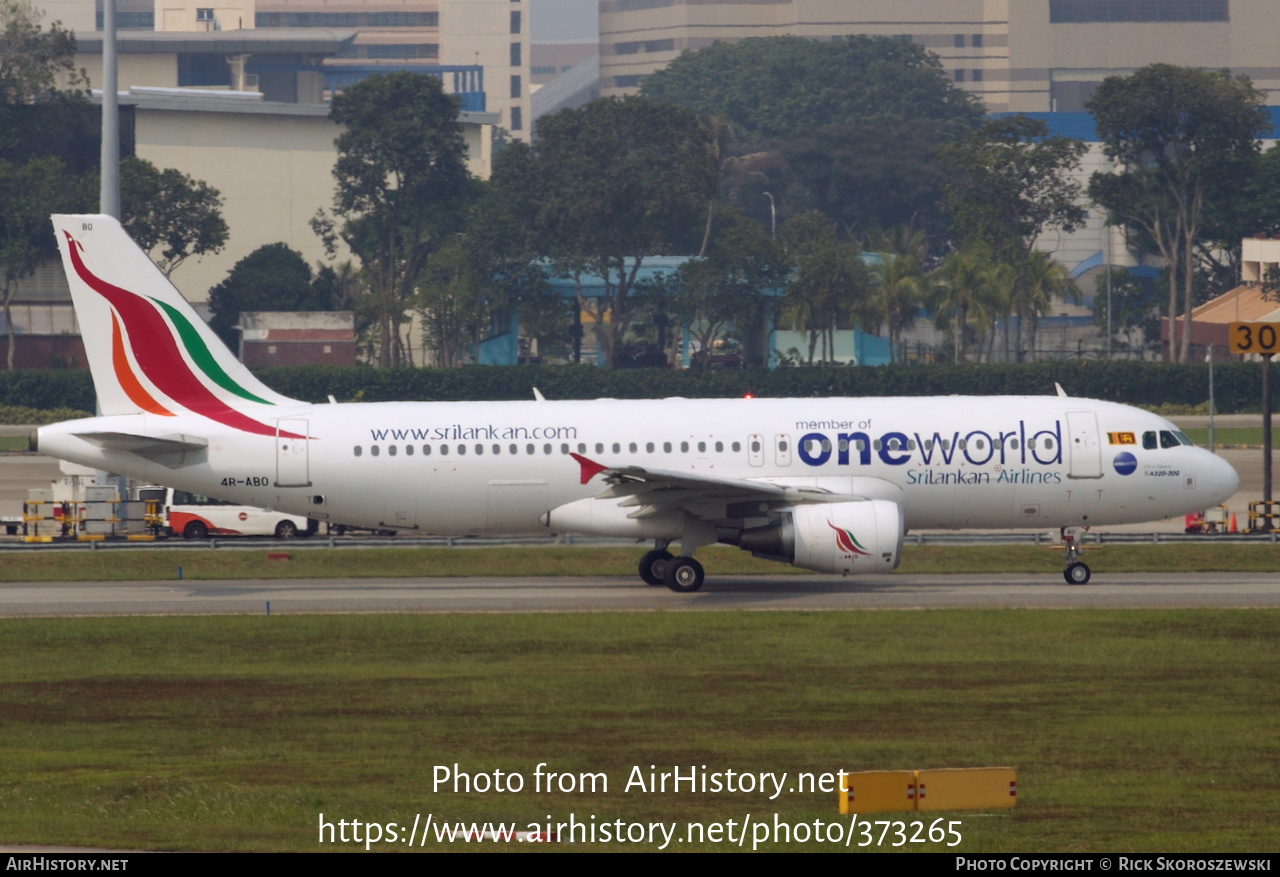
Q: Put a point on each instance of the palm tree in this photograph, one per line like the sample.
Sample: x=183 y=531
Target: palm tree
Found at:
x=968 y=283
x=900 y=278
x=1044 y=280
x=901 y=283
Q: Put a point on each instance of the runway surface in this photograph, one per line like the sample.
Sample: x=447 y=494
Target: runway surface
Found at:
x=594 y=594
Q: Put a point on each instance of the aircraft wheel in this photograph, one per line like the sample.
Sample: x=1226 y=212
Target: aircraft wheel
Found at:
x=286 y=530
x=195 y=530
x=1077 y=573
x=653 y=567
x=684 y=575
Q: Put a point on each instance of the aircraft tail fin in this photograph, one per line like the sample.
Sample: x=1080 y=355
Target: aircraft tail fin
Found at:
x=149 y=352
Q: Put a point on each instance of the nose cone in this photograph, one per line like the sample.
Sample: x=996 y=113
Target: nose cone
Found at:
x=1222 y=481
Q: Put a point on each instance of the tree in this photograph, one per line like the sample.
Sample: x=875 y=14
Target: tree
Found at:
x=848 y=127
x=727 y=290
x=29 y=193
x=873 y=175
x=1135 y=307
x=1013 y=183
x=33 y=182
x=829 y=285
x=168 y=209
x=32 y=59
x=1178 y=136
x=453 y=302
x=1044 y=280
x=402 y=189
x=1248 y=208
x=970 y=286
x=271 y=278
x=603 y=188
x=776 y=87
x=899 y=277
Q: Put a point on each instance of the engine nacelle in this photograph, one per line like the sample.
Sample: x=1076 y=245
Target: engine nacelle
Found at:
x=850 y=538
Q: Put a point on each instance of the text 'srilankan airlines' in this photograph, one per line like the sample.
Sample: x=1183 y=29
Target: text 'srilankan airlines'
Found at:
x=829 y=485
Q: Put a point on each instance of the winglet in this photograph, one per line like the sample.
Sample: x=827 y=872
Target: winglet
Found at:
x=537 y=396
x=1061 y=392
x=590 y=468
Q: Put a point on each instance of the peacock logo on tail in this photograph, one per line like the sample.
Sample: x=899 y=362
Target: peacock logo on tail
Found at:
x=147 y=337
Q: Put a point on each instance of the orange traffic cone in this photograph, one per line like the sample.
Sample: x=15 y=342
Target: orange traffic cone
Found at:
x=1233 y=523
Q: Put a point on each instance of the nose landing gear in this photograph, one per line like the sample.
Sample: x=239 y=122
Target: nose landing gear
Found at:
x=1077 y=572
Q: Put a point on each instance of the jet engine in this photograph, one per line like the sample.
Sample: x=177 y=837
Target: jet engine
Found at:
x=851 y=538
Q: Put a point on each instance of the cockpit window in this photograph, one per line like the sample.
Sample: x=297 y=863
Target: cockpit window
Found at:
x=1182 y=437
x=1167 y=439
x=1149 y=441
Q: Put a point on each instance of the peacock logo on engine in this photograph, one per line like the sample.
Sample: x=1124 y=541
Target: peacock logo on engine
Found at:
x=848 y=543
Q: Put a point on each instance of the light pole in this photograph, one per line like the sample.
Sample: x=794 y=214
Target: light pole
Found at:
x=773 y=217
x=1208 y=357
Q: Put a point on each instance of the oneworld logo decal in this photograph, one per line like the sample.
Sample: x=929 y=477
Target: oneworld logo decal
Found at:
x=1125 y=463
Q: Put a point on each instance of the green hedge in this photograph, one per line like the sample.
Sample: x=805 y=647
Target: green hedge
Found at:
x=1239 y=385
x=47 y=389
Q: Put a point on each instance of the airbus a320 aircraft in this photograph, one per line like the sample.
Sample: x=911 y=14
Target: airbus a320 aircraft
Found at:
x=830 y=485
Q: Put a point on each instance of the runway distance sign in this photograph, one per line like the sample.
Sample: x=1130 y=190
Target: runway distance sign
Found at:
x=1254 y=338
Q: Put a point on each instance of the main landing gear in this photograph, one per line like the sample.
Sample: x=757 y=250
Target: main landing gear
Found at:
x=1077 y=571
x=653 y=566
x=683 y=575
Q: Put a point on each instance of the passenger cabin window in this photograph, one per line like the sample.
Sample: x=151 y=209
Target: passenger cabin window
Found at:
x=359 y=450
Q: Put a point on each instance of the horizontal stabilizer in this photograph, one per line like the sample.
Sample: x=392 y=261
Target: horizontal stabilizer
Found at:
x=172 y=451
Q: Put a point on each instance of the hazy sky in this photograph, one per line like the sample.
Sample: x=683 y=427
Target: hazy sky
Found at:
x=563 y=20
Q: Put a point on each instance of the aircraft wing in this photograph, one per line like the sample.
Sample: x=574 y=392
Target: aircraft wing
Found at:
x=709 y=497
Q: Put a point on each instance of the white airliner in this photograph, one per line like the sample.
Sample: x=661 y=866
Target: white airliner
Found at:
x=829 y=485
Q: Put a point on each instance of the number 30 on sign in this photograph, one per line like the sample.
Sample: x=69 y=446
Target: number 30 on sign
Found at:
x=1254 y=338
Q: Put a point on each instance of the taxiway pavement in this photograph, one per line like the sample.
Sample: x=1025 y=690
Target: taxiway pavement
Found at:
x=595 y=594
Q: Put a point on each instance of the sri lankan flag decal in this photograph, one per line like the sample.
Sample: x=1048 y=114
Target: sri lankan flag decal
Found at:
x=847 y=542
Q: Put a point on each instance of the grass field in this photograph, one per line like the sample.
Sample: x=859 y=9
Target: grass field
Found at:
x=1130 y=730
x=1235 y=436
x=250 y=563
x=13 y=442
